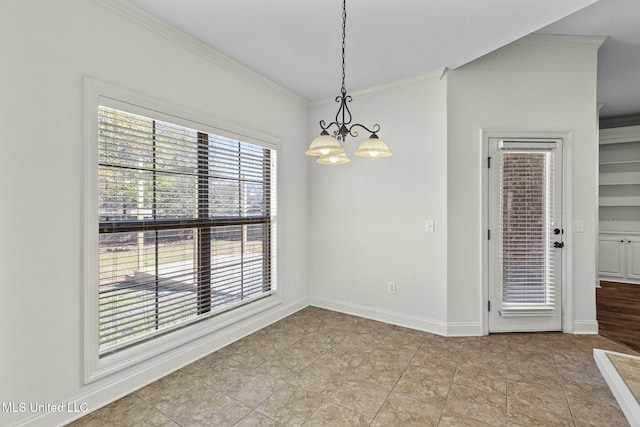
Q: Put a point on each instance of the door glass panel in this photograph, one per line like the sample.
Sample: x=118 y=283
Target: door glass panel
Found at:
x=526 y=226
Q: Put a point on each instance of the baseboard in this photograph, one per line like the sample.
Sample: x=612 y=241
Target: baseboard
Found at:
x=464 y=329
x=387 y=316
x=586 y=327
x=95 y=396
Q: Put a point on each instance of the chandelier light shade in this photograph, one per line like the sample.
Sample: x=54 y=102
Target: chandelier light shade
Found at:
x=329 y=147
x=323 y=145
x=373 y=147
x=334 y=159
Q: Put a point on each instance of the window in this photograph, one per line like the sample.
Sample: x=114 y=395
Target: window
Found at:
x=179 y=227
x=184 y=225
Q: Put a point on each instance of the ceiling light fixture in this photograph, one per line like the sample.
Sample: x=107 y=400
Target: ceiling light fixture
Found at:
x=328 y=147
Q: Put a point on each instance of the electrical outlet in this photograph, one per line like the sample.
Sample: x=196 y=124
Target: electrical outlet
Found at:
x=391 y=287
x=298 y=280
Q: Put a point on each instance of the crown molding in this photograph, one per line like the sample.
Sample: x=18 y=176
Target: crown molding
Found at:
x=552 y=40
x=618 y=122
x=150 y=22
x=429 y=77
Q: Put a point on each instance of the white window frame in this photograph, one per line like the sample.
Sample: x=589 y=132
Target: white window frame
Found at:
x=98 y=366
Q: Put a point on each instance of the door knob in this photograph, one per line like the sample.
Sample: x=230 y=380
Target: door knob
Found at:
x=558 y=244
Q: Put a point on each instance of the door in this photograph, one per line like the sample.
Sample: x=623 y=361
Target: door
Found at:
x=525 y=235
x=611 y=256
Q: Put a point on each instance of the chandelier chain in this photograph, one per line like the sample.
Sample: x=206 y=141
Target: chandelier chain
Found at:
x=344 y=44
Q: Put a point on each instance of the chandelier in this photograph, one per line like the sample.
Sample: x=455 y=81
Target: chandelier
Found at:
x=329 y=148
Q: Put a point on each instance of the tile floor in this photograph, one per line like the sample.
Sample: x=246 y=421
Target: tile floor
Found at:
x=321 y=368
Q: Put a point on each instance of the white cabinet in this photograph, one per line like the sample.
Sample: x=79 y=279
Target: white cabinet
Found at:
x=619 y=257
x=633 y=257
x=611 y=256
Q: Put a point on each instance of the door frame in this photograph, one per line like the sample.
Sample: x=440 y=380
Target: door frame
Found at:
x=567 y=252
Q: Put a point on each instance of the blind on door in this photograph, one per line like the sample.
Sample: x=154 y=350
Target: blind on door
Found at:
x=526 y=264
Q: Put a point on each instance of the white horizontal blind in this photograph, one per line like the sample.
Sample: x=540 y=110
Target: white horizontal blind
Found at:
x=526 y=263
x=185 y=225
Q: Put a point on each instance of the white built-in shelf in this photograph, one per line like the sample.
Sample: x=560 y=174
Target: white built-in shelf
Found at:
x=620 y=178
x=620 y=201
x=620 y=183
x=621 y=162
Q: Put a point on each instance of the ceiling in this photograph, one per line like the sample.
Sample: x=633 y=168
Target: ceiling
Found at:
x=297 y=43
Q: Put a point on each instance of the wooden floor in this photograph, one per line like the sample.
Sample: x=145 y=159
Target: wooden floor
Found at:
x=618 y=312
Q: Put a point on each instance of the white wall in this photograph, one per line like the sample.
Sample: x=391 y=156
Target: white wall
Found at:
x=537 y=84
x=47 y=48
x=367 y=218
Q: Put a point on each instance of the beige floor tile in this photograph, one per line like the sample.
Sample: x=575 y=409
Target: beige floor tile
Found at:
x=569 y=359
x=177 y=380
x=219 y=410
x=142 y=415
x=177 y=401
x=279 y=341
x=108 y=413
x=321 y=340
x=488 y=407
x=225 y=372
x=318 y=378
x=531 y=355
x=358 y=342
x=581 y=376
x=451 y=419
x=253 y=388
x=256 y=419
x=251 y=357
x=527 y=417
x=296 y=357
x=380 y=374
x=391 y=357
x=495 y=363
x=442 y=344
x=362 y=397
x=593 y=408
x=404 y=411
x=539 y=407
x=437 y=368
x=290 y=405
x=547 y=398
x=482 y=379
x=331 y=414
x=344 y=361
x=530 y=373
x=494 y=343
x=419 y=383
x=443 y=360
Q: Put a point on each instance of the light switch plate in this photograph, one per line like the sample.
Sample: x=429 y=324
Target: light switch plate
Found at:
x=429 y=226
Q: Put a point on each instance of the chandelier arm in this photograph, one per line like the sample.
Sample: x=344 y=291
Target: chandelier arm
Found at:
x=344 y=110
x=376 y=129
x=325 y=127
